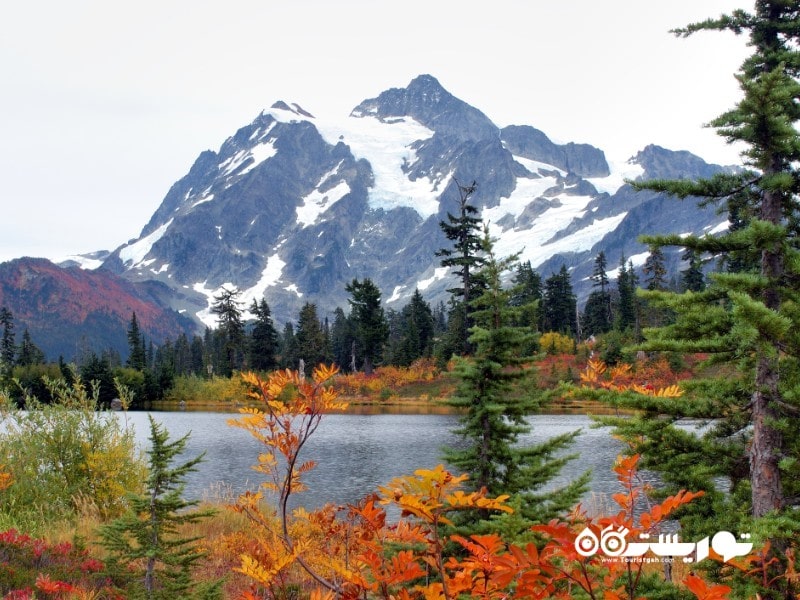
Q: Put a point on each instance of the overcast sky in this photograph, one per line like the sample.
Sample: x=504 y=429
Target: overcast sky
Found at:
x=106 y=103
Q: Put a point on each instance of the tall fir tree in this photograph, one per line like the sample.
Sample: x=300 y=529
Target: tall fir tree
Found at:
x=148 y=535
x=560 y=304
x=597 y=317
x=747 y=317
x=627 y=310
x=310 y=338
x=289 y=352
x=494 y=392
x=29 y=353
x=263 y=343
x=342 y=340
x=464 y=231
x=415 y=331
x=654 y=269
x=369 y=321
x=231 y=330
x=529 y=295
x=692 y=277
x=137 y=356
x=8 y=346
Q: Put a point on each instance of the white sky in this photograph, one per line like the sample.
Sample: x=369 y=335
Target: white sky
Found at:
x=105 y=103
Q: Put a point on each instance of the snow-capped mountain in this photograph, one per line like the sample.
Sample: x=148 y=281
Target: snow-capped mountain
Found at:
x=292 y=207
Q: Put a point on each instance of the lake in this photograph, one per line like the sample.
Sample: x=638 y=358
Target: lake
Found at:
x=358 y=452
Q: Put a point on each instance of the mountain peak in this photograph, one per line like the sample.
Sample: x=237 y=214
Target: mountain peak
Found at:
x=431 y=105
x=661 y=163
x=294 y=108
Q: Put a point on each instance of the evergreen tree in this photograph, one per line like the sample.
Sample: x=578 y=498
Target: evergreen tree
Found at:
x=529 y=295
x=263 y=347
x=560 y=304
x=464 y=231
x=655 y=273
x=369 y=322
x=597 y=317
x=231 y=329
x=137 y=356
x=198 y=352
x=289 y=353
x=29 y=353
x=148 y=534
x=310 y=338
x=494 y=391
x=342 y=340
x=8 y=347
x=626 y=288
x=182 y=361
x=655 y=278
x=415 y=329
x=692 y=278
x=747 y=316
x=98 y=369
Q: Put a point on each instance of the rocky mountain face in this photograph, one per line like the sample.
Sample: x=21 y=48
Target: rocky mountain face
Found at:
x=69 y=310
x=292 y=208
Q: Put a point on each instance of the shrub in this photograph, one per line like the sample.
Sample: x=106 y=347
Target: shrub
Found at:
x=63 y=454
x=556 y=343
x=217 y=390
x=28 y=564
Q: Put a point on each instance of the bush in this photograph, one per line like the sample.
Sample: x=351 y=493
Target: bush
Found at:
x=63 y=455
x=217 y=390
x=52 y=570
x=556 y=343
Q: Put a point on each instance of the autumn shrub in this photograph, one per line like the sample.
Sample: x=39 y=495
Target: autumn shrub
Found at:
x=65 y=453
x=385 y=378
x=34 y=568
x=192 y=389
x=556 y=343
x=553 y=369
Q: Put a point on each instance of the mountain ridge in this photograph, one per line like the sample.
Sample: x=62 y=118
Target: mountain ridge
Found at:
x=292 y=207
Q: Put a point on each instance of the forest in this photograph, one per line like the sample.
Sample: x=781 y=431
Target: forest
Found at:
x=84 y=514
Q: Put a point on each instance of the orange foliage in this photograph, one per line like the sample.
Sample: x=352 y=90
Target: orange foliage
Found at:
x=356 y=553
x=5 y=478
x=385 y=378
x=647 y=379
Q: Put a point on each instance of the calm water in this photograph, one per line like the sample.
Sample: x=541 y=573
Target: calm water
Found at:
x=356 y=453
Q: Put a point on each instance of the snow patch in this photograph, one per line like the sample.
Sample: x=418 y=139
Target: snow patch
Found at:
x=396 y=294
x=439 y=273
x=525 y=192
x=133 y=254
x=259 y=153
x=316 y=203
x=721 y=228
x=536 y=167
x=637 y=260
x=204 y=199
x=620 y=171
x=387 y=147
x=293 y=288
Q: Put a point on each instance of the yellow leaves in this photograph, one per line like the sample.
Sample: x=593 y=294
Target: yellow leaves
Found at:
x=431 y=493
x=593 y=372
